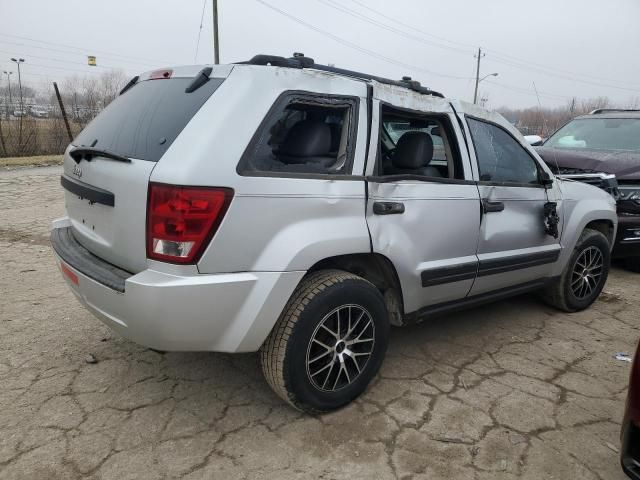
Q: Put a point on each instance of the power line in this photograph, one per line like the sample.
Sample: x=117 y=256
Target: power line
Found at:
x=389 y=28
x=60 y=60
x=558 y=75
x=524 y=91
x=139 y=64
x=355 y=46
x=83 y=49
x=514 y=59
x=521 y=64
x=375 y=55
x=406 y=25
x=195 y=57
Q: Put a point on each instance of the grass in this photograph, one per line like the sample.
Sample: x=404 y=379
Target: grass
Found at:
x=26 y=161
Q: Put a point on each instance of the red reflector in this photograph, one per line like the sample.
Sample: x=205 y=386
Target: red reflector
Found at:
x=68 y=273
x=159 y=74
x=182 y=220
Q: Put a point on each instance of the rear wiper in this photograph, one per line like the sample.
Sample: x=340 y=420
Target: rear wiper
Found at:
x=88 y=153
x=131 y=83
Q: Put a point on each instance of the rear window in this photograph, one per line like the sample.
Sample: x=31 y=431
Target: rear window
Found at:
x=143 y=122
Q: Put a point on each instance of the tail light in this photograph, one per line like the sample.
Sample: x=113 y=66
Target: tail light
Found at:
x=160 y=74
x=182 y=220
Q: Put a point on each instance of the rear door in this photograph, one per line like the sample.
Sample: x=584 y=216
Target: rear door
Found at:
x=106 y=193
x=426 y=221
x=513 y=247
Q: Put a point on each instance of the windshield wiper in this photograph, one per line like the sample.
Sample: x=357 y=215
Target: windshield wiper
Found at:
x=88 y=153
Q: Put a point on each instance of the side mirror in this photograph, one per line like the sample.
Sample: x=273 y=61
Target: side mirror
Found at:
x=546 y=180
x=533 y=140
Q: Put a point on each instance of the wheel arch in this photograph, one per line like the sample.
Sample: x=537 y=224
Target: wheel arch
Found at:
x=604 y=226
x=375 y=268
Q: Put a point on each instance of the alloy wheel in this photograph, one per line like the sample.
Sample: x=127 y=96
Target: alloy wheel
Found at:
x=340 y=347
x=587 y=272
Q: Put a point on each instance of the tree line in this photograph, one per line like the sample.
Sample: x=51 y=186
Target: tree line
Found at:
x=32 y=123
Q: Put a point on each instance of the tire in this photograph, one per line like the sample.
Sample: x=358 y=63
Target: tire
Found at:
x=325 y=299
x=633 y=264
x=572 y=298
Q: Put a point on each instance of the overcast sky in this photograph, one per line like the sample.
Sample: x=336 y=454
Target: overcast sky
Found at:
x=583 y=48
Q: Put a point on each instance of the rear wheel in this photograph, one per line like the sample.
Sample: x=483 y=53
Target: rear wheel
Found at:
x=328 y=343
x=584 y=275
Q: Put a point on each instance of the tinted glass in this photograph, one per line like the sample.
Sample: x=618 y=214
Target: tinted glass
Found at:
x=500 y=157
x=144 y=121
x=598 y=134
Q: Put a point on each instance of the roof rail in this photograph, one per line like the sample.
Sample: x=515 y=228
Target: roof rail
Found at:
x=300 y=61
x=612 y=110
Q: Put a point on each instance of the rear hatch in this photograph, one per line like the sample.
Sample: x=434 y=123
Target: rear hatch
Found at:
x=107 y=167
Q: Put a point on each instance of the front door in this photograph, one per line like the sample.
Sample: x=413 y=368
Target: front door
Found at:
x=513 y=247
x=423 y=209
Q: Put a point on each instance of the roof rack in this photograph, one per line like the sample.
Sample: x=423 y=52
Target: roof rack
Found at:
x=612 y=110
x=300 y=61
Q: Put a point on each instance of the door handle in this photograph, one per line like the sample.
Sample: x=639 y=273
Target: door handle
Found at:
x=388 y=208
x=491 y=206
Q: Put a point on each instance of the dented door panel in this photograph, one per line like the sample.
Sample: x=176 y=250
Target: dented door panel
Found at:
x=432 y=242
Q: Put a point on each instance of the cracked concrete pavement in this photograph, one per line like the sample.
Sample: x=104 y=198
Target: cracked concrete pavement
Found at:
x=510 y=390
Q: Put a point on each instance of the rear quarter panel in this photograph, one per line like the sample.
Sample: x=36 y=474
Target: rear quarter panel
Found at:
x=273 y=223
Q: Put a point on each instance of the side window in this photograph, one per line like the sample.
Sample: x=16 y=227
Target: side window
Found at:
x=500 y=157
x=416 y=144
x=304 y=133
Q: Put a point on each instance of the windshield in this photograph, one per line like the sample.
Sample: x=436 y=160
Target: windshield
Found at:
x=598 y=134
x=145 y=120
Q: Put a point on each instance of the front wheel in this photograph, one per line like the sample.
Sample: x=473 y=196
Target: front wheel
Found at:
x=329 y=342
x=584 y=276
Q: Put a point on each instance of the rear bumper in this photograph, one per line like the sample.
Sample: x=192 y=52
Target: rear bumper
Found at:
x=627 y=243
x=231 y=312
x=630 y=450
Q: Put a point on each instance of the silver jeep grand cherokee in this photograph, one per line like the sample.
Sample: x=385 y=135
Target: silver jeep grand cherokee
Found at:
x=300 y=210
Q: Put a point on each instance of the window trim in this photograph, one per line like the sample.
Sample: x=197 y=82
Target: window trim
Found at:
x=502 y=184
x=447 y=123
x=293 y=96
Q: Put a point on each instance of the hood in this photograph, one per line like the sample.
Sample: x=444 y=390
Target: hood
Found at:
x=625 y=165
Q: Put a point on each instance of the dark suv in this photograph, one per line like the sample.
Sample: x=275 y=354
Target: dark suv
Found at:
x=599 y=148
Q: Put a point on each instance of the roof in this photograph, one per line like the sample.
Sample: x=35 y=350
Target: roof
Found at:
x=299 y=61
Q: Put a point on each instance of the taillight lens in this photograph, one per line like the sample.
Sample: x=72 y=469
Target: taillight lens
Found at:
x=182 y=220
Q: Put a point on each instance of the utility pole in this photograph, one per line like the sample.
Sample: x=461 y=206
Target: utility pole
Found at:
x=216 y=47
x=475 y=93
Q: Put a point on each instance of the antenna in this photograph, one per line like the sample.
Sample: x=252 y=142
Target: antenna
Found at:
x=544 y=123
x=544 y=120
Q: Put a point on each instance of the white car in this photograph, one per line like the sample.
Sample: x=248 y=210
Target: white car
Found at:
x=301 y=210
x=38 y=111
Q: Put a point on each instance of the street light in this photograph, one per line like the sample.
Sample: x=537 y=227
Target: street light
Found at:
x=475 y=94
x=490 y=75
x=18 y=61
